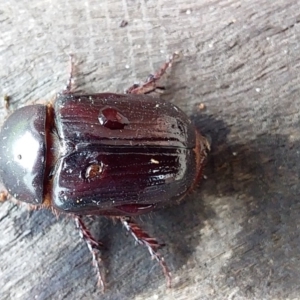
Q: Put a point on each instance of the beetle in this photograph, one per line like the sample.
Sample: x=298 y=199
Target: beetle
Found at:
x=116 y=155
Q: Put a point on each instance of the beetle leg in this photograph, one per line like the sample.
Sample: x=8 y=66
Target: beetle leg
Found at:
x=69 y=86
x=151 y=84
x=93 y=246
x=143 y=238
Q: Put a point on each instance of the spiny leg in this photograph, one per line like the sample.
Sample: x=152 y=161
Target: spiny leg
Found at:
x=93 y=246
x=151 y=84
x=69 y=86
x=143 y=238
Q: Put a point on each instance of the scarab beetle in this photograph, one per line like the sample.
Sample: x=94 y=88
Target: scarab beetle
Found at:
x=119 y=155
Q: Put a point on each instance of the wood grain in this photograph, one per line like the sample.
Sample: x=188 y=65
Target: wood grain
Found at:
x=237 y=236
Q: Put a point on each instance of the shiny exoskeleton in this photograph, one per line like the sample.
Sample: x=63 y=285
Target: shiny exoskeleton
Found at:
x=103 y=154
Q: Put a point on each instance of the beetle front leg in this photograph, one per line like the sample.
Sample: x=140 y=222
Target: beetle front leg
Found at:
x=93 y=246
x=152 y=82
x=143 y=238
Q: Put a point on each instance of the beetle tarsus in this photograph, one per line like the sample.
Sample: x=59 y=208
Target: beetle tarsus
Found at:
x=93 y=246
x=143 y=238
x=152 y=82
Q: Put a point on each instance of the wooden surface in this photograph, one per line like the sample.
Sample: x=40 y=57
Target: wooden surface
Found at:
x=237 y=236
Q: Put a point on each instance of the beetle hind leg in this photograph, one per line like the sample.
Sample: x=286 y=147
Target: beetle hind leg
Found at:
x=93 y=246
x=143 y=238
x=152 y=82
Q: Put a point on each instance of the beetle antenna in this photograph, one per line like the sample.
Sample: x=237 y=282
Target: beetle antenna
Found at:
x=143 y=238
x=93 y=246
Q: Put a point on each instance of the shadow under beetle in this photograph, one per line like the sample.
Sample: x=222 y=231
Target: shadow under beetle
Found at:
x=118 y=155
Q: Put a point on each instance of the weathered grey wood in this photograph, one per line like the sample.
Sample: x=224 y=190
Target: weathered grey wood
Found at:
x=237 y=236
